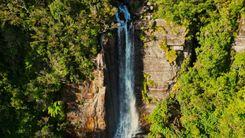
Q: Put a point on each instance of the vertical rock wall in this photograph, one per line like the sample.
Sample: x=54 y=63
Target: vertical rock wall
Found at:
x=85 y=104
x=153 y=60
x=161 y=71
x=239 y=45
x=111 y=82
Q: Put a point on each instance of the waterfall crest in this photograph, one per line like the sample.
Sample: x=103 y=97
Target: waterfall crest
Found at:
x=128 y=121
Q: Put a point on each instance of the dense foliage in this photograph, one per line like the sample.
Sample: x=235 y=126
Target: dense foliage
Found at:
x=208 y=99
x=45 y=44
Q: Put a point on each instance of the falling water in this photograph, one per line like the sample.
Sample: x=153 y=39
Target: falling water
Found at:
x=128 y=116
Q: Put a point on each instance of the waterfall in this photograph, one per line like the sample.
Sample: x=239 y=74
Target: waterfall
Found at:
x=128 y=117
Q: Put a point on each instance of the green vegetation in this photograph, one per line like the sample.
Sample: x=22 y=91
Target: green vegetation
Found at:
x=170 y=54
x=146 y=84
x=46 y=44
x=209 y=97
x=43 y=46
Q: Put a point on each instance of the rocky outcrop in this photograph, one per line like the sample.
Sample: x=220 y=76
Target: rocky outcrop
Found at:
x=240 y=40
x=86 y=102
x=154 y=58
x=155 y=61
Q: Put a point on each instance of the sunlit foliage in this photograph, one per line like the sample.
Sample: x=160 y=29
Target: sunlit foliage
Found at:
x=208 y=99
x=45 y=44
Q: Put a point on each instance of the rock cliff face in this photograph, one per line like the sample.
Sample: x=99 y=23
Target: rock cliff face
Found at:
x=111 y=82
x=85 y=103
x=155 y=62
x=240 y=40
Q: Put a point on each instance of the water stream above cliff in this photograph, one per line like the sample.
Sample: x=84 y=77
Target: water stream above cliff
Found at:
x=127 y=123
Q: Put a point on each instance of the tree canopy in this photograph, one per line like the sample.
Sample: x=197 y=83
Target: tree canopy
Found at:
x=45 y=44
